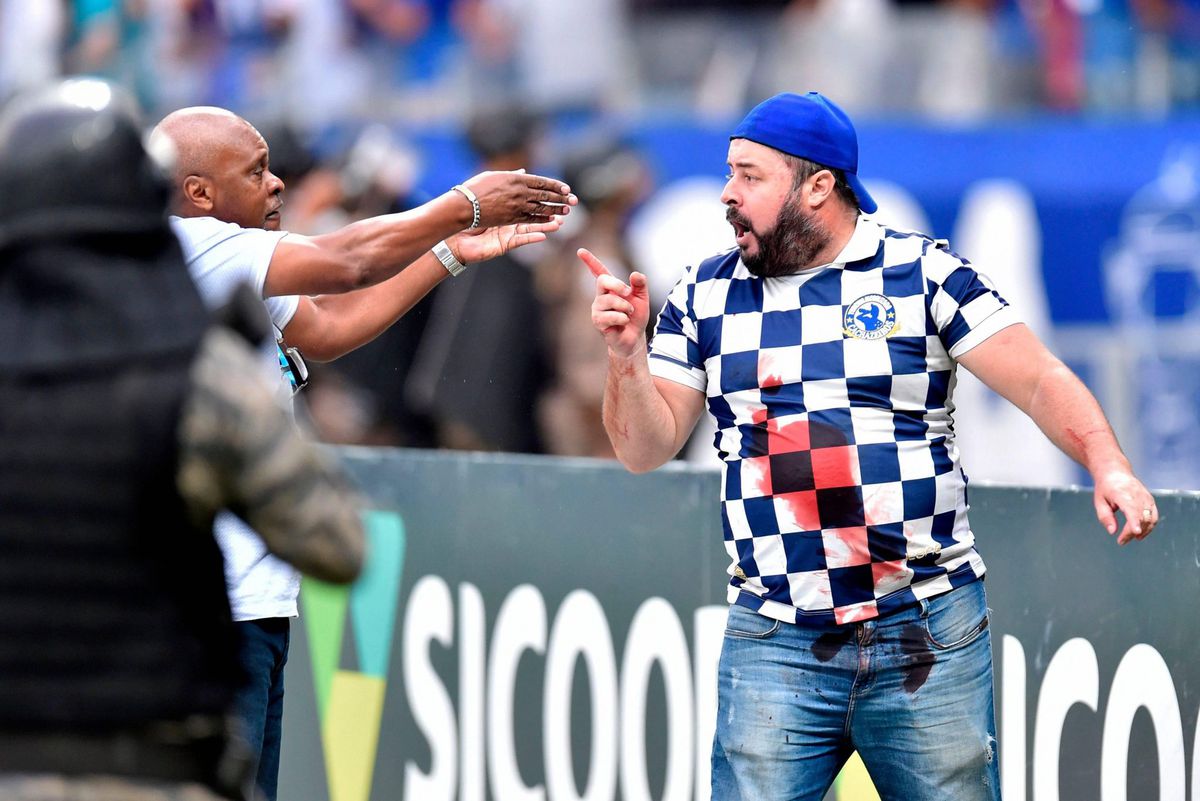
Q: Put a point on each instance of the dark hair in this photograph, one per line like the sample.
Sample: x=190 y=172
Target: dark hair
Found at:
x=602 y=168
x=803 y=169
x=501 y=130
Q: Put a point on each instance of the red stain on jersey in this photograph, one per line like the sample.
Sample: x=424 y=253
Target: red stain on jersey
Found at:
x=890 y=576
x=758 y=469
x=782 y=439
x=846 y=547
x=803 y=506
x=884 y=504
x=832 y=467
x=768 y=372
x=853 y=614
x=790 y=438
x=835 y=467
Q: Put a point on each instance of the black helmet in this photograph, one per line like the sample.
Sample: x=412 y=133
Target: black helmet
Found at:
x=72 y=161
x=91 y=274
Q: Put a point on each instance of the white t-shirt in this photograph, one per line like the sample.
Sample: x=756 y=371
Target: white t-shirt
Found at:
x=220 y=256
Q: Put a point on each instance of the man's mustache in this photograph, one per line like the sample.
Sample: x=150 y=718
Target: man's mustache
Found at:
x=733 y=216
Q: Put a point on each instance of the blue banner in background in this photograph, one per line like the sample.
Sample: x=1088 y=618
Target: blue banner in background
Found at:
x=1091 y=229
x=1080 y=174
x=1081 y=177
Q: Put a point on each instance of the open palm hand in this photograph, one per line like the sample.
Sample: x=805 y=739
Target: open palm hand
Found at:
x=488 y=243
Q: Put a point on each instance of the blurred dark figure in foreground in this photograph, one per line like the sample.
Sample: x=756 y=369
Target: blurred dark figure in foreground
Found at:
x=126 y=421
x=481 y=364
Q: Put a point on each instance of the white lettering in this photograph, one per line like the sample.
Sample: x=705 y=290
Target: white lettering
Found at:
x=580 y=630
x=1142 y=680
x=1072 y=677
x=520 y=626
x=472 y=672
x=656 y=635
x=428 y=618
x=473 y=748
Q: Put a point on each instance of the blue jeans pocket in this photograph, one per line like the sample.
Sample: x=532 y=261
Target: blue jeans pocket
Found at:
x=749 y=625
x=951 y=624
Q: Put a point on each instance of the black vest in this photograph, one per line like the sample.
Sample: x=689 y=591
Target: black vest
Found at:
x=113 y=612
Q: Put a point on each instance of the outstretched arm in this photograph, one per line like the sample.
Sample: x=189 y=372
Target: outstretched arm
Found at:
x=1016 y=364
x=648 y=419
x=371 y=251
x=325 y=327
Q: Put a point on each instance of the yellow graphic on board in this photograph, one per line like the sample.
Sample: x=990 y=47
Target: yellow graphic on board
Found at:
x=350 y=734
x=350 y=702
x=853 y=783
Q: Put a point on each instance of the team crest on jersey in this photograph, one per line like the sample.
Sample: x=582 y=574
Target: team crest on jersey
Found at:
x=870 y=317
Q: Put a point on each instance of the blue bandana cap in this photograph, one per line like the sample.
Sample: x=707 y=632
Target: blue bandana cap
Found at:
x=809 y=127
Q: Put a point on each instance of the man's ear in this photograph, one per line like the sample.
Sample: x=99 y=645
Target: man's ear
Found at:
x=821 y=187
x=198 y=192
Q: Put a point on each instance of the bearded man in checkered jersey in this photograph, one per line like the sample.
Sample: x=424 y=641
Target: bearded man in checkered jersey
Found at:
x=825 y=347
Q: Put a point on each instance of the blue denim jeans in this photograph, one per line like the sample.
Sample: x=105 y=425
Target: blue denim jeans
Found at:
x=911 y=692
x=263 y=652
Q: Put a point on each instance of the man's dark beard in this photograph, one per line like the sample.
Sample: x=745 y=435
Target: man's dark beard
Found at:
x=788 y=247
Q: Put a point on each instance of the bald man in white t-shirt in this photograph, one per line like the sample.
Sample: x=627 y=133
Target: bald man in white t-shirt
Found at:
x=326 y=295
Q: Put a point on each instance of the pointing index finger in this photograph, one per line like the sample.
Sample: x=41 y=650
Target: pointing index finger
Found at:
x=595 y=265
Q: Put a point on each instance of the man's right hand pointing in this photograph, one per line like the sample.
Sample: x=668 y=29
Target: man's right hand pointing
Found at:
x=620 y=311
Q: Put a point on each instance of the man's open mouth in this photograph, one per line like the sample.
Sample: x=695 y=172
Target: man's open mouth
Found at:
x=741 y=232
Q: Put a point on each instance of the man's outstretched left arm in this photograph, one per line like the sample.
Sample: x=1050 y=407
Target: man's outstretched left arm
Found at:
x=326 y=327
x=1014 y=363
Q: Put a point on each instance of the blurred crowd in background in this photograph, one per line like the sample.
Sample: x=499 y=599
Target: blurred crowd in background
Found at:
x=319 y=61
x=504 y=357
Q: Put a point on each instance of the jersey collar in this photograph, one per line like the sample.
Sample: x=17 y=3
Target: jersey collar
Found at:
x=864 y=243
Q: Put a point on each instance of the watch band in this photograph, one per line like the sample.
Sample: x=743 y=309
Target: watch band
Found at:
x=446 y=257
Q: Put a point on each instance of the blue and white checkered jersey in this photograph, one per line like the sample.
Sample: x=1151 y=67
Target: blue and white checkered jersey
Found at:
x=842 y=494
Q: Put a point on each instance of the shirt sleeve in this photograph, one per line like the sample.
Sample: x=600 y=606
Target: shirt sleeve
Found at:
x=965 y=306
x=221 y=255
x=675 y=348
x=260 y=250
